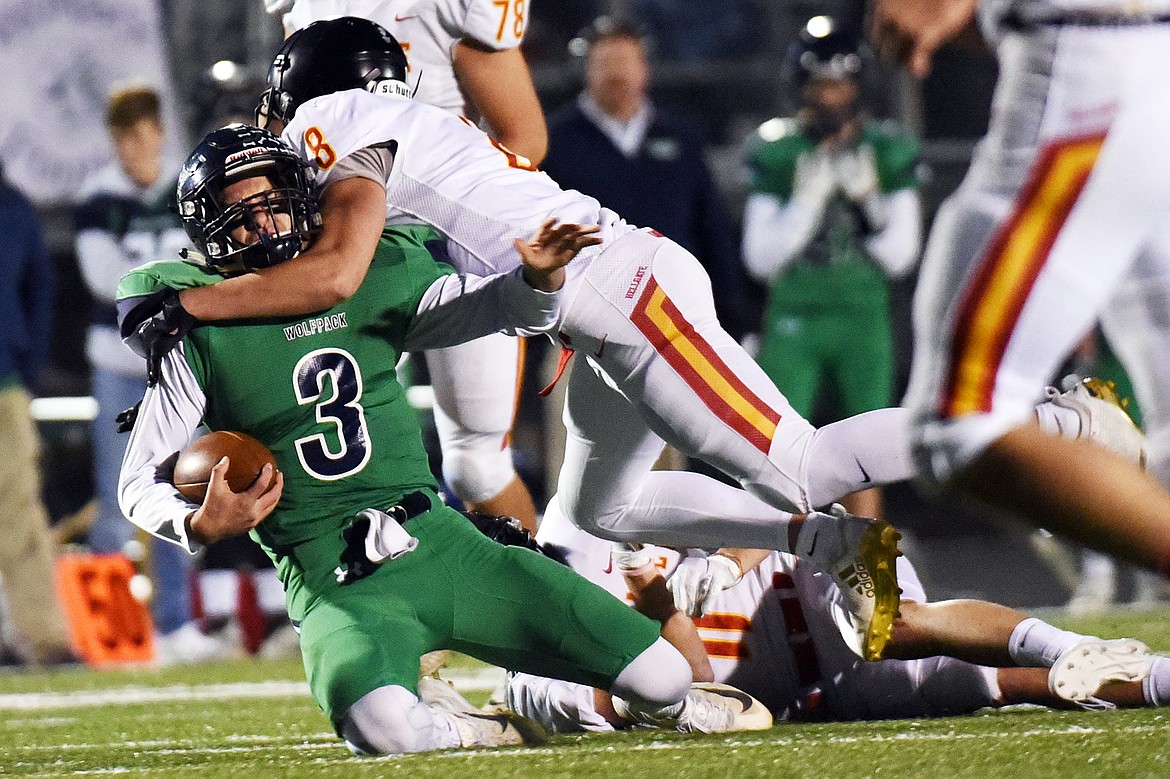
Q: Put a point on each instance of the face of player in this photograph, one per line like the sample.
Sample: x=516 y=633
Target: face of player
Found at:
x=139 y=148
x=617 y=76
x=266 y=213
x=830 y=104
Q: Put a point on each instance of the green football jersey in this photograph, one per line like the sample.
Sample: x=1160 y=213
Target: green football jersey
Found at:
x=834 y=266
x=319 y=391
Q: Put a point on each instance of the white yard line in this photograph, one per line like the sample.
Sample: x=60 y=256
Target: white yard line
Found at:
x=327 y=741
x=481 y=680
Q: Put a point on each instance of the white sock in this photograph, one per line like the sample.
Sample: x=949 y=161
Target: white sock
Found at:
x=659 y=677
x=859 y=452
x=1058 y=420
x=562 y=707
x=1036 y=644
x=1156 y=686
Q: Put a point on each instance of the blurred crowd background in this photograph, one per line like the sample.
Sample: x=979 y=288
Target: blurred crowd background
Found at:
x=716 y=64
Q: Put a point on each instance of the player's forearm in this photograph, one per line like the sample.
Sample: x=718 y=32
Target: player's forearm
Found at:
x=303 y=285
x=353 y=212
x=746 y=559
x=460 y=308
x=500 y=86
x=895 y=248
x=774 y=233
x=167 y=418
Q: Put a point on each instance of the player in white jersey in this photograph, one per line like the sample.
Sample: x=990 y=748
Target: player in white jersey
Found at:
x=1071 y=184
x=464 y=57
x=772 y=635
x=658 y=364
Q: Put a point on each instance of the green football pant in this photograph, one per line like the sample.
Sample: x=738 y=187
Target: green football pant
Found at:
x=458 y=590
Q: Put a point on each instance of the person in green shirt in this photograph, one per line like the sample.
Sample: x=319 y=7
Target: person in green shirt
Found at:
x=376 y=570
x=833 y=215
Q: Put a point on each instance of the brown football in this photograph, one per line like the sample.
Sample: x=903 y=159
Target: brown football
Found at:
x=246 y=457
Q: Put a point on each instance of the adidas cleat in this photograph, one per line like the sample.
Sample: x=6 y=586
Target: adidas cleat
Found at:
x=1088 y=665
x=860 y=555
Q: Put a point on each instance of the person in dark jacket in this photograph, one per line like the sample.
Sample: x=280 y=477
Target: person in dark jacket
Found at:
x=26 y=556
x=613 y=144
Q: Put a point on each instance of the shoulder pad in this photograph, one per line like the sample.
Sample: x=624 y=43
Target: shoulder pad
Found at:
x=173 y=274
x=777 y=128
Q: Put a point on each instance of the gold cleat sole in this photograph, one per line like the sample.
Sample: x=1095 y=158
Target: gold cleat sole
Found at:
x=879 y=551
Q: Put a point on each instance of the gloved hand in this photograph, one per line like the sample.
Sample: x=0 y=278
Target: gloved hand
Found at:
x=815 y=180
x=162 y=332
x=697 y=580
x=855 y=172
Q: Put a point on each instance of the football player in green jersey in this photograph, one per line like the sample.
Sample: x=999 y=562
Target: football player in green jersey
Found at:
x=377 y=571
x=833 y=214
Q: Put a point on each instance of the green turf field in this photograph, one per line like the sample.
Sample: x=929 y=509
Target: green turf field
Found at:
x=252 y=719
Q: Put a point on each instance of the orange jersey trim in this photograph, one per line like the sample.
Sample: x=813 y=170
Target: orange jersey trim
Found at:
x=995 y=298
x=697 y=363
x=521 y=356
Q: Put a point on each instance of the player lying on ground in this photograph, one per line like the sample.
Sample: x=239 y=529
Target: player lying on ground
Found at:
x=376 y=570
x=772 y=634
x=660 y=366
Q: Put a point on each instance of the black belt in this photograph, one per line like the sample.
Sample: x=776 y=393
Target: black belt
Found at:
x=410 y=507
x=355 y=566
x=1014 y=20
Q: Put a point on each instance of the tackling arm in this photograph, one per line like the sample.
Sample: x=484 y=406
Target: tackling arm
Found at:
x=354 y=214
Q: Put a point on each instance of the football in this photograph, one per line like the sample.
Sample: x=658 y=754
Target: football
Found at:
x=246 y=457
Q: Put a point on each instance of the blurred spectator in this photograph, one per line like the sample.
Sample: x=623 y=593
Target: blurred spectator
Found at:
x=124 y=219
x=833 y=215
x=26 y=556
x=612 y=143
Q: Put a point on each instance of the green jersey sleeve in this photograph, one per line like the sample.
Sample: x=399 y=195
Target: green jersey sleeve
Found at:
x=897 y=154
x=771 y=156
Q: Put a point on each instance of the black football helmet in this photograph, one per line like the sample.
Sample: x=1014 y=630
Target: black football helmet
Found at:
x=231 y=154
x=825 y=50
x=332 y=56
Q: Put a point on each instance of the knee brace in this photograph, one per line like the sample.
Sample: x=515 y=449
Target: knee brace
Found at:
x=476 y=467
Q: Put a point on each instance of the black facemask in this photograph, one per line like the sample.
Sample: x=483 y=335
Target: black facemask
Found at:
x=823 y=122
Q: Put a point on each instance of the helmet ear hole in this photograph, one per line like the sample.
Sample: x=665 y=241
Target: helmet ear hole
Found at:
x=332 y=56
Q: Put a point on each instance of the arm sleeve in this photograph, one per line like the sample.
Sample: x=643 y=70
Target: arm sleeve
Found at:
x=167 y=419
x=895 y=247
x=774 y=232
x=496 y=25
x=372 y=162
x=457 y=308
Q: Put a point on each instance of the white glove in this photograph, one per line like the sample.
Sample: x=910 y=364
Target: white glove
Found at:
x=630 y=558
x=855 y=171
x=697 y=580
x=815 y=179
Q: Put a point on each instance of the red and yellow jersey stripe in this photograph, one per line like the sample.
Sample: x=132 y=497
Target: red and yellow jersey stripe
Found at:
x=696 y=361
x=995 y=296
